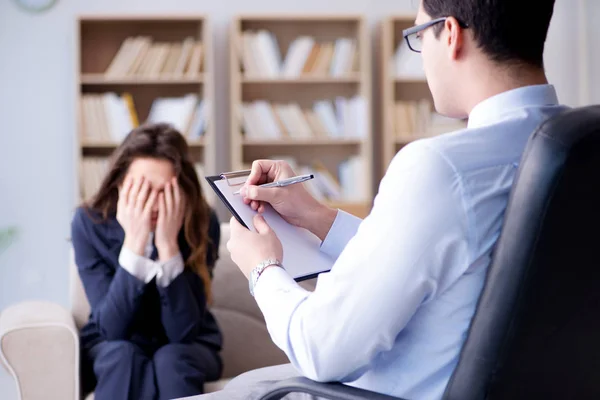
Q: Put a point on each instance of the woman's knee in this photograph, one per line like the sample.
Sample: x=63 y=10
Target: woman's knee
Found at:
x=117 y=352
x=171 y=354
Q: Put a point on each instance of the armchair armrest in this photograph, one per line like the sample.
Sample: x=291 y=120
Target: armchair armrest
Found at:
x=331 y=391
x=39 y=345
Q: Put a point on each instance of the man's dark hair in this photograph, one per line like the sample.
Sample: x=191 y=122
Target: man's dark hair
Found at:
x=510 y=31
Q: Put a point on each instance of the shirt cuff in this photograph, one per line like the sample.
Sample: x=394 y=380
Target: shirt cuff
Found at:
x=169 y=270
x=277 y=296
x=138 y=266
x=343 y=229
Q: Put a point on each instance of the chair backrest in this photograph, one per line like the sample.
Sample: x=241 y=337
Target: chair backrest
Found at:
x=80 y=307
x=246 y=341
x=536 y=330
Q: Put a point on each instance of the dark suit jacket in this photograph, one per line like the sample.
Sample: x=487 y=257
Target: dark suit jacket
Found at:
x=124 y=307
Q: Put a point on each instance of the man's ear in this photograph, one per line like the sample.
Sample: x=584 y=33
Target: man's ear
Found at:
x=455 y=38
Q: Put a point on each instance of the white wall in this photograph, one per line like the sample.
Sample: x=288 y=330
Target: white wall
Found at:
x=37 y=90
x=593 y=28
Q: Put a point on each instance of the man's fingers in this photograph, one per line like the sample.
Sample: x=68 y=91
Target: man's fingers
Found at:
x=261 y=225
x=258 y=193
x=259 y=168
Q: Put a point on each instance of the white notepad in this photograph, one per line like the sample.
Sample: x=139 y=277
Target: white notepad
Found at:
x=302 y=257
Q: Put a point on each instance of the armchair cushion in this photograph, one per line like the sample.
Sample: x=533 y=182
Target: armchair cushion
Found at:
x=246 y=341
x=40 y=348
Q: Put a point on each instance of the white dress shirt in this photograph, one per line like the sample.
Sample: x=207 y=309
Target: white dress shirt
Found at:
x=145 y=269
x=393 y=313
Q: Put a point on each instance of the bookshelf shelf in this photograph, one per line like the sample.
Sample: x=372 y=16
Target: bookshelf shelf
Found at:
x=303 y=142
x=112 y=145
x=304 y=80
x=407 y=111
x=142 y=68
x=293 y=77
x=102 y=79
x=409 y=80
x=99 y=145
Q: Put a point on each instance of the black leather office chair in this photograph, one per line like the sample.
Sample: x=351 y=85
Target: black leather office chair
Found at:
x=536 y=330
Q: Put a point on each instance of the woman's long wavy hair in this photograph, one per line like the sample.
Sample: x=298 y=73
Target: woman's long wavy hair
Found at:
x=162 y=141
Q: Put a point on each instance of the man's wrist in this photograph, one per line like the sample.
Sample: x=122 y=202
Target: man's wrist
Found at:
x=320 y=221
x=258 y=270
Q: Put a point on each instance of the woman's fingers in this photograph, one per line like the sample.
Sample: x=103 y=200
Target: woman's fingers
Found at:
x=150 y=202
x=142 y=195
x=177 y=198
x=135 y=188
x=169 y=197
x=161 y=207
x=125 y=190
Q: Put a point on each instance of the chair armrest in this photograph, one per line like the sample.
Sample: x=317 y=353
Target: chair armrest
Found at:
x=39 y=345
x=331 y=391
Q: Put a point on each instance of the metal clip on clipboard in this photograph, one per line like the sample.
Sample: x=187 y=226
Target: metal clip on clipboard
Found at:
x=235 y=178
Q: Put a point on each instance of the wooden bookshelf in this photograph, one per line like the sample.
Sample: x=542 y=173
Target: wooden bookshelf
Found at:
x=404 y=85
x=181 y=65
x=336 y=75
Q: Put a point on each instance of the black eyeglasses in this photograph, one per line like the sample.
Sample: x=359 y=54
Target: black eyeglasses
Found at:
x=413 y=37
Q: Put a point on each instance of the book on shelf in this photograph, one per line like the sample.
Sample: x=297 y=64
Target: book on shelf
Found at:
x=340 y=118
x=93 y=170
x=141 y=57
x=407 y=64
x=261 y=57
x=188 y=114
x=417 y=119
x=348 y=184
x=107 y=117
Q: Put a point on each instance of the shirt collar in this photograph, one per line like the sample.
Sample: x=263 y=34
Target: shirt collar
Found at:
x=495 y=107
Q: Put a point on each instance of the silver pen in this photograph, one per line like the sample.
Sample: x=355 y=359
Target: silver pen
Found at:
x=285 y=182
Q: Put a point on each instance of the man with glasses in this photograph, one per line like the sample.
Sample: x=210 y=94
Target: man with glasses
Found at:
x=393 y=313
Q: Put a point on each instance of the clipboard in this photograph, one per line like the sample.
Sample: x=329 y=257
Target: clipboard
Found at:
x=302 y=257
x=233 y=179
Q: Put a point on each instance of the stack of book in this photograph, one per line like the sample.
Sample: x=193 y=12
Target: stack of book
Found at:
x=108 y=117
x=347 y=118
x=416 y=119
x=261 y=56
x=187 y=114
x=348 y=185
x=140 y=57
x=93 y=171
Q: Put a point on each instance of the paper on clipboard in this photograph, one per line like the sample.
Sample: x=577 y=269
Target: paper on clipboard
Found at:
x=302 y=257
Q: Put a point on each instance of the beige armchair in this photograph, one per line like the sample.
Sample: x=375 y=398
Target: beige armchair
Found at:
x=39 y=343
